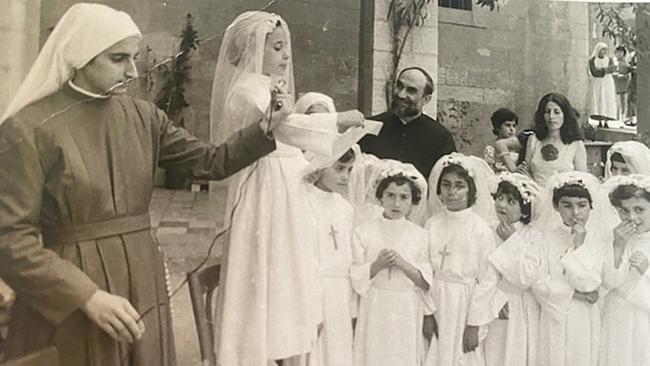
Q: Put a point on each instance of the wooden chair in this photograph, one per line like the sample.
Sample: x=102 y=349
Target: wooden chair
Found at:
x=45 y=357
x=203 y=283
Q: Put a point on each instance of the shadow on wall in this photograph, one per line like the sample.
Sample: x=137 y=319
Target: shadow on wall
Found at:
x=469 y=124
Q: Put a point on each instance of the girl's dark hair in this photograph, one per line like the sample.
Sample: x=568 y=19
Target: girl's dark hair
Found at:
x=570 y=130
x=621 y=48
x=399 y=179
x=617 y=157
x=507 y=188
x=500 y=116
x=347 y=157
x=571 y=190
x=627 y=191
x=463 y=174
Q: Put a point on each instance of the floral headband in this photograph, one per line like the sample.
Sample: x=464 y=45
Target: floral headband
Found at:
x=637 y=180
x=571 y=180
x=528 y=190
x=452 y=159
x=395 y=171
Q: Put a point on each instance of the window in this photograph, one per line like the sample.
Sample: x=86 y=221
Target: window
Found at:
x=456 y=4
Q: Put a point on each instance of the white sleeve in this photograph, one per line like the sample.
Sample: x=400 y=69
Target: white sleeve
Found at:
x=554 y=296
x=314 y=132
x=517 y=261
x=582 y=267
x=360 y=269
x=639 y=294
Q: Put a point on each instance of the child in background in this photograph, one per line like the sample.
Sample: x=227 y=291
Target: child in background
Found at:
x=504 y=126
x=621 y=76
x=392 y=274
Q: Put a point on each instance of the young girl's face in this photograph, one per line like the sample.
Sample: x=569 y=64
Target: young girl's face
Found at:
x=335 y=177
x=453 y=191
x=553 y=116
x=507 y=129
x=276 y=54
x=573 y=210
x=637 y=210
x=396 y=201
x=619 y=168
x=507 y=208
x=603 y=52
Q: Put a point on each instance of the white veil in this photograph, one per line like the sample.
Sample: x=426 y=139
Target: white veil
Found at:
x=368 y=171
x=635 y=154
x=83 y=32
x=602 y=218
x=241 y=56
x=528 y=189
x=483 y=176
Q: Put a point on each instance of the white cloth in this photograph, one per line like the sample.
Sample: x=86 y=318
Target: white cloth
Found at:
x=603 y=89
x=635 y=154
x=339 y=301
x=626 y=309
x=459 y=245
x=83 y=32
x=569 y=330
x=513 y=342
x=480 y=172
x=304 y=103
x=391 y=310
x=540 y=169
x=265 y=308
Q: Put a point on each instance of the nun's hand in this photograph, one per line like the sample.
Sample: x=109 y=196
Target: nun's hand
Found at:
x=115 y=315
x=347 y=119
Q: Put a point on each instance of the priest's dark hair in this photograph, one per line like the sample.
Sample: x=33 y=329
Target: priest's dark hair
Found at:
x=428 y=87
x=627 y=191
x=571 y=190
x=507 y=188
x=570 y=130
x=399 y=179
x=464 y=174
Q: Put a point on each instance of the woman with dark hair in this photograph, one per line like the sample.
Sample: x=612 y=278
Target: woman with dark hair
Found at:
x=557 y=144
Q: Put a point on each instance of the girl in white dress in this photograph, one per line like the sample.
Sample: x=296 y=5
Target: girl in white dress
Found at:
x=626 y=309
x=265 y=304
x=511 y=339
x=460 y=241
x=392 y=274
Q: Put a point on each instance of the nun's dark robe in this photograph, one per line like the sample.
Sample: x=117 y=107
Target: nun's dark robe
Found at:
x=76 y=183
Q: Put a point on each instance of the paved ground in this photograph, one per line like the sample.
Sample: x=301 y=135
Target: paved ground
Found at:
x=185 y=231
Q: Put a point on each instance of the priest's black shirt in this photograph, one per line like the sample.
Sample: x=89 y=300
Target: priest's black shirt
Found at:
x=421 y=142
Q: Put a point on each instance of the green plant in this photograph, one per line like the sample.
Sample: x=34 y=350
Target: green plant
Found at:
x=404 y=16
x=176 y=75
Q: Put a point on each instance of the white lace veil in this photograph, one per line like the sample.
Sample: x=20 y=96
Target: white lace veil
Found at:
x=483 y=176
x=242 y=54
x=602 y=218
x=83 y=32
x=528 y=189
x=311 y=99
x=635 y=154
x=368 y=171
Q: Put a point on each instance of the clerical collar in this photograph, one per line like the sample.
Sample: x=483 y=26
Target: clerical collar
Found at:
x=404 y=122
x=86 y=92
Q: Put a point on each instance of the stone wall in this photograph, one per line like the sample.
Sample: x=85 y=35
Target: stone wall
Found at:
x=421 y=50
x=325 y=42
x=19 y=22
x=509 y=58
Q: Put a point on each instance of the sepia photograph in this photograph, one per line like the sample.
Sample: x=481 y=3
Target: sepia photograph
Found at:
x=325 y=183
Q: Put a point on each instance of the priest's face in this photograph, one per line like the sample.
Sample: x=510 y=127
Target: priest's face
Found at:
x=396 y=201
x=408 y=95
x=111 y=71
x=454 y=191
x=573 y=210
x=637 y=211
x=335 y=177
x=276 y=54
